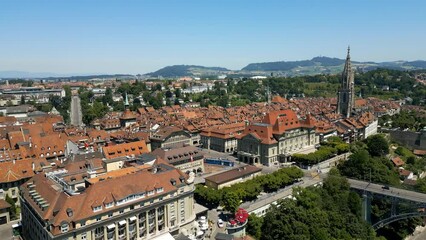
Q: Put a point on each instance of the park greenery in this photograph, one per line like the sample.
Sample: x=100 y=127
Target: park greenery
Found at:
x=231 y=197
x=369 y=162
x=411 y=120
x=329 y=148
x=314 y=213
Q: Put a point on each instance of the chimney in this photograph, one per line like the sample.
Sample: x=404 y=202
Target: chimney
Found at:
x=33 y=166
x=14 y=161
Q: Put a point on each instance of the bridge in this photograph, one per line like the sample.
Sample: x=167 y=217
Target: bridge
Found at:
x=416 y=200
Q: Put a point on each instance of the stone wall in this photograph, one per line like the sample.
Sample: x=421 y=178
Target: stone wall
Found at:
x=413 y=140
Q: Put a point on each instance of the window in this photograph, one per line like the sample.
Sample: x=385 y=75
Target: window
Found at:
x=83 y=224
x=109 y=215
x=97 y=208
x=158 y=190
x=83 y=236
x=108 y=205
x=98 y=219
x=150 y=192
x=64 y=228
x=121 y=211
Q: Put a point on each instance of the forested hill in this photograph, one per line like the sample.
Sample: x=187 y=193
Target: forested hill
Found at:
x=187 y=70
x=328 y=65
x=288 y=65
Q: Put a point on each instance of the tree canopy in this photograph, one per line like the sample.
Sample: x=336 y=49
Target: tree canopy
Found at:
x=315 y=214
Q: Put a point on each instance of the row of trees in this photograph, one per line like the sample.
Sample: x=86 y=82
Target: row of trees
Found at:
x=92 y=107
x=231 y=197
x=333 y=146
x=315 y=214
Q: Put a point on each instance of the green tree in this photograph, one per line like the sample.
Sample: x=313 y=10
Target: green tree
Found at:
x=254 y=226
x=107 y=98
x=230 y=201
x=22 y=100
x=178 y=93
x=377 y=145
x=12 y=209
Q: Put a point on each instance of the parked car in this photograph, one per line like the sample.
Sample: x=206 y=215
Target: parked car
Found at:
x=385 y=187
x=220 y=223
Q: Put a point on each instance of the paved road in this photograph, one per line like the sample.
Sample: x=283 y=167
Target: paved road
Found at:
x=280 y=194
x=76 y=115
x=419 y=234
x=392 y=192
x=6 y=231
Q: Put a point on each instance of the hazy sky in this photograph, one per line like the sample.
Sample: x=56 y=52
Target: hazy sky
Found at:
x=102 y=36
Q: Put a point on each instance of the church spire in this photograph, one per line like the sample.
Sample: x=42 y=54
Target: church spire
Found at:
x=349 y=51
x=126 y=103
x=346 y=93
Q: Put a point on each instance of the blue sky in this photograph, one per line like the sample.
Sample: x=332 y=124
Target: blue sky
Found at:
x=102 y=36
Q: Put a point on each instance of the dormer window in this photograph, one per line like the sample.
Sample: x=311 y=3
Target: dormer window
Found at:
x=97 y=208
x=108 y=205
x=69 y=212
x=160 y=189
x=150 y=193
x=64 y=227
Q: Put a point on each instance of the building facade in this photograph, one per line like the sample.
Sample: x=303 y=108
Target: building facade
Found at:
x=171 y=137
x=140 y=202
x=274 y=140
x=187 y=159
x=222 y=138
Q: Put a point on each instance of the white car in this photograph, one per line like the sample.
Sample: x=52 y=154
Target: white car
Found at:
x=220 y=223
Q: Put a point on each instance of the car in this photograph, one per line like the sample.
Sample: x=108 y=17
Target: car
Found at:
x=385 y=187
x=220 y=223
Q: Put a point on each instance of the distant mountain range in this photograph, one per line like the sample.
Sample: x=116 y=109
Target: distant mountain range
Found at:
x=317 y=65
x=46 y=75
x=329 y=65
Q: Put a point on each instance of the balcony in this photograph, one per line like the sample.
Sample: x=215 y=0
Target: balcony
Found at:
x=99 y=236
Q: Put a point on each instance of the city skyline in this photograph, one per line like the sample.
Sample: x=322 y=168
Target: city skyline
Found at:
x=139 y=37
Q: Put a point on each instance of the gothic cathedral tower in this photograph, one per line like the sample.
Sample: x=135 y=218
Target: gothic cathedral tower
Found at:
x=346 y=93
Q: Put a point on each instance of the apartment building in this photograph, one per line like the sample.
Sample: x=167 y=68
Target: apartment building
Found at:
x=222 y=138
x=187 y=159
x=37 y=94
x=135 y=202
x=280 y=134
x=170 y=137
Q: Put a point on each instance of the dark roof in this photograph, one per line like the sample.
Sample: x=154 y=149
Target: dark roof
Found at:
x=223 y=236
x=144 y=158
x=165 y=132
x=233 y=174
x=181 y=237
x=177 y=154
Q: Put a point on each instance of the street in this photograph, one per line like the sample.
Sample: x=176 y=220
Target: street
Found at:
x=76 y=115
